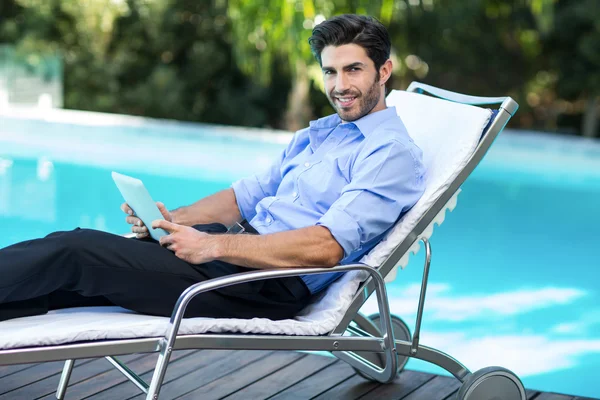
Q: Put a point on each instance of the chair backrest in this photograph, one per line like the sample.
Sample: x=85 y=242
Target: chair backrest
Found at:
x=448 y=133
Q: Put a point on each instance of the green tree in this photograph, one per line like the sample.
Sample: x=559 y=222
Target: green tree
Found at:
x=486 y=48
x=574 y=46
x=248 y=62
x=168 y=59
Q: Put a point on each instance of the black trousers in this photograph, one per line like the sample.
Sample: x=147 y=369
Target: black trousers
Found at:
x=86 y=267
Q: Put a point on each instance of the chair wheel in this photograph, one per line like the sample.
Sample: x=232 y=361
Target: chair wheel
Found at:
x=492 y=383
x=401 y=332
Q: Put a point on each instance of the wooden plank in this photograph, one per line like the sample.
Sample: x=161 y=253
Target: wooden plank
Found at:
x=82 y=374
x=317 y=383
x=352 y=388
x=93 y=384
x=182 y=382
x=244 y=376
x=47 y=386
x=439 y=388
x=33 y=374
x=553 y=396
x=181 y=362
x=211 y=374
x=531 y=394
x=12 y=369
x=181 y=379
x=284 y=378
x=406 y=382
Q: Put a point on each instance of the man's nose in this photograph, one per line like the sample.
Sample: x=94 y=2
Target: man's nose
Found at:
x=341 y=84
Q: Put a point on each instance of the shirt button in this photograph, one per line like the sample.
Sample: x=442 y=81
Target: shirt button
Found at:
x=294 y=194
x=307 y=164
x=268 y=220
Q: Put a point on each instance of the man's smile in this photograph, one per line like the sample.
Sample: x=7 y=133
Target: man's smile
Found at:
x=345 y=102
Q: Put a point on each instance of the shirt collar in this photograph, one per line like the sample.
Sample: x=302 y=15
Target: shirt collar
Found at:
x=369 y=122
x=365 y=125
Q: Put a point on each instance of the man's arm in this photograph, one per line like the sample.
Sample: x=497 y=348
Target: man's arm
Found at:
x=306 y=247
x=220 y=207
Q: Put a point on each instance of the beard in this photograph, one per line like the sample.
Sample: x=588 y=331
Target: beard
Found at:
x=361 y=107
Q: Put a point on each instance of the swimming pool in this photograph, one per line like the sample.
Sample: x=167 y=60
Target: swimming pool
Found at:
x=514 y=279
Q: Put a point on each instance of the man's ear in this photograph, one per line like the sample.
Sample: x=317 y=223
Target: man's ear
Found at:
x=385 y=71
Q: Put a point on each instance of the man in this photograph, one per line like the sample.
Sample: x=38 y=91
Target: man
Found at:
x=328 y=199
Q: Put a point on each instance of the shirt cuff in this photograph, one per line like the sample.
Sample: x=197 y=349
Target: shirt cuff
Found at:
x=344 y=229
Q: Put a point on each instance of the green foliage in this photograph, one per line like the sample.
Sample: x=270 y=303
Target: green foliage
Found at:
x=264 y=29
x=486 y=48
x=574 y=44
x=248 y=62
x=166 y=59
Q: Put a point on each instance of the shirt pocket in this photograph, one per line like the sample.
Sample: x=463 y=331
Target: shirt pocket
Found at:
x=320 y=185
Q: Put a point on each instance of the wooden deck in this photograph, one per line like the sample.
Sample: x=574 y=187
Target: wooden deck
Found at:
x=217 y=374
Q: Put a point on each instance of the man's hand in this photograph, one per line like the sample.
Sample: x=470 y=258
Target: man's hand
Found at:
x=138 y=227
x=187 y=243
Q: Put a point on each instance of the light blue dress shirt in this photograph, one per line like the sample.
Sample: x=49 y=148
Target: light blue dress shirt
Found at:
x=355 y=178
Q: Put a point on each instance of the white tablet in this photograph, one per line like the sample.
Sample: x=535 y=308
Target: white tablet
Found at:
x=138 y=198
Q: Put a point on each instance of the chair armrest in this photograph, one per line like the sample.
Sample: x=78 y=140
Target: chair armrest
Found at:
x=250 y=276
x=216 y=283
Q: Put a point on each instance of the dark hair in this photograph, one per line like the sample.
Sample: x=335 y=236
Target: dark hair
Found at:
x=362 y=30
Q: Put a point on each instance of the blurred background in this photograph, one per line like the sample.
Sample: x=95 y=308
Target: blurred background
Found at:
x=190 y=95
x=248 y=63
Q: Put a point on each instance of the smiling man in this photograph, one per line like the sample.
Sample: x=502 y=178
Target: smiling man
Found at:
x=354 y=88
x=330 y=196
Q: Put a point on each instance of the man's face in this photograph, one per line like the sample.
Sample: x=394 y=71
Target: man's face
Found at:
x=351 y=81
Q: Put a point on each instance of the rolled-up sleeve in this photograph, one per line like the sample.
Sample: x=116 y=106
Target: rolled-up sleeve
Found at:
x=252 y=189
x=385 y=182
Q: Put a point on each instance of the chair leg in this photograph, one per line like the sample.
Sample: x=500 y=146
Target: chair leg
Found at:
x=129 y=374
x=64 y=379
x=160 y=370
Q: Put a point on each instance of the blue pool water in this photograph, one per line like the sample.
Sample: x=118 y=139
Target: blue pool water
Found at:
x=514 y=278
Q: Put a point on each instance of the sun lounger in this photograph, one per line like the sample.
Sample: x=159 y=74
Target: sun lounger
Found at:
x=454 y=134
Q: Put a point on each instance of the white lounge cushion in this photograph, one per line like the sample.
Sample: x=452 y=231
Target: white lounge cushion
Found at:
x=448 y=133
x=96 y=323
